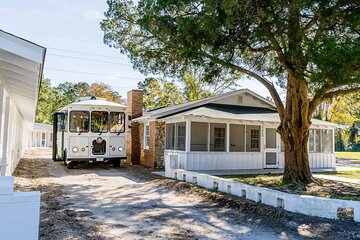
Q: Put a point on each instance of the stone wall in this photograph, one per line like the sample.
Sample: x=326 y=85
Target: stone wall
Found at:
x=154 y=155
x=159 y=144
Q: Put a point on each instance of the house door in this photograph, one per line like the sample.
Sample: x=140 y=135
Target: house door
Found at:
x=58 y=137
x=270 y=151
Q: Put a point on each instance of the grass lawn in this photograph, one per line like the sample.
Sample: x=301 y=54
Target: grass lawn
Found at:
x=355 y=174
x=348 y=155
x=321 y=188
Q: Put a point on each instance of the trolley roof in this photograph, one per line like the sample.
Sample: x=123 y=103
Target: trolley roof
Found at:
x=94 y=103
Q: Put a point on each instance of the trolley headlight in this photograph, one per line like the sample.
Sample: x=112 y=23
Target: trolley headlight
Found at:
x=99 y=140
x=75 y=149
x=120 y=149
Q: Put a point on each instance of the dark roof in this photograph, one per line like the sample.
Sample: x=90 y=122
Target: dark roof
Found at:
x=224 y=108
x=236 y=109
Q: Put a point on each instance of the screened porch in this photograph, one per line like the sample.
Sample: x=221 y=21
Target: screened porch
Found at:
x=229 y=144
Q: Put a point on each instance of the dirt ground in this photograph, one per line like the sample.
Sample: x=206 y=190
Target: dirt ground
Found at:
x=99 y=202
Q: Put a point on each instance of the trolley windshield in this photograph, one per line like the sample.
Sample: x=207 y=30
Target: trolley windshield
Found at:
x=99 y=121
x=117 y=122
x=79 y=121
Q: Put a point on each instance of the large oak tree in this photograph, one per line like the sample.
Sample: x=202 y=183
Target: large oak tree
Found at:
x=311 y=47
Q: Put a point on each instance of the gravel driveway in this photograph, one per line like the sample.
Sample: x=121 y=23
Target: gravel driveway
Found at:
x=99 y=202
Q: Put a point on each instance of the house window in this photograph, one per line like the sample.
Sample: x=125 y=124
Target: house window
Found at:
x=253 y=138
x=146 y=136
x=314 y=140
x=170 y=136
x=181 y=136
x=327 y=142
x=199 y=136
x=237 y=138
x=218 y=136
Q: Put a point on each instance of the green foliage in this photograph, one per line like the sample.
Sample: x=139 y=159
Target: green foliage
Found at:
x=159 y=93
x=50 y=101
x=346 y=111
x=318 y=41
x=73 y=91
x=196 y=86
x=53 y=99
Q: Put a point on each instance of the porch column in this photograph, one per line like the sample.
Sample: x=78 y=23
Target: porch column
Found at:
x=5 y=137
x=1 y=110
x=208 y=135
x=333 y=140
x=227 y=137
x=188 y=136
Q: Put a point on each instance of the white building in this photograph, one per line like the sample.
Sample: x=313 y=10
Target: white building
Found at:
x=41 y=136
x=21 y=66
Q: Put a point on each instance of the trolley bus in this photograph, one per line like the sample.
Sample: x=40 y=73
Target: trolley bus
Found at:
x=89 y=130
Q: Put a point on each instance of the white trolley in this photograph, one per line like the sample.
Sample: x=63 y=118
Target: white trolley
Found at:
x=89 y=130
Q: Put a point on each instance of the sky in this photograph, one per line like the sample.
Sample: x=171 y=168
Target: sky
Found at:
x=71 y=33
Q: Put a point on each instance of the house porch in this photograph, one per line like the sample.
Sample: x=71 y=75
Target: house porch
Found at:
x=209 y=144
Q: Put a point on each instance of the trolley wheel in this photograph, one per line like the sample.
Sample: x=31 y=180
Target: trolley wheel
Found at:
x=65 y=158
x=116 y=163
x=71 y=165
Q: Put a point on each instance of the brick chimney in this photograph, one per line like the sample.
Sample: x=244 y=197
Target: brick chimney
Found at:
x=134 y=110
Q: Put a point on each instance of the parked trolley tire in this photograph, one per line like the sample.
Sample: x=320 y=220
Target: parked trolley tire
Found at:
x=116 y=163
x=70 y=165
x=65 y=158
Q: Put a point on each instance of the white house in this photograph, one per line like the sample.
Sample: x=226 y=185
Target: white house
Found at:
x=41 y=136
x=235 y=130
x=21 y=66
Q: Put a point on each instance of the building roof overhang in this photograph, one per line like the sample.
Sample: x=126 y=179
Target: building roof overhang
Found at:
x=236 y=114
x=21 y=69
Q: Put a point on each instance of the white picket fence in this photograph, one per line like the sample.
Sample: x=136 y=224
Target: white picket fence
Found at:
x=19 y=212
x=304 y=204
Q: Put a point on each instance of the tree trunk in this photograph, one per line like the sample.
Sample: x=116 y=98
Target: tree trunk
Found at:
x=297 y=168
x=294 y=131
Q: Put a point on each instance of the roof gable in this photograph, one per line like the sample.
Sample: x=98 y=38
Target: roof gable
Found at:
x=242 y=97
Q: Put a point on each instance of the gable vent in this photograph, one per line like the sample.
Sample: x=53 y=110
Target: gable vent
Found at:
x=239 y=99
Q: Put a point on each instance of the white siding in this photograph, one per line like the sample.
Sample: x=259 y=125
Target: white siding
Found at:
x=317 y=160
x=12 y=132
x=238 y=160
x=243 y=99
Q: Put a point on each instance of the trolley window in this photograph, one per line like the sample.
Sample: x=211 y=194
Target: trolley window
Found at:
x=117 y=122
x=79 y=121
x=99 y=121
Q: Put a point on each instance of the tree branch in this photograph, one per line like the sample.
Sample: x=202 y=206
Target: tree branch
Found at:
x=271 y=36
x=310 y=24
x=270 y=87
x=321 y=97
x=339 y=93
